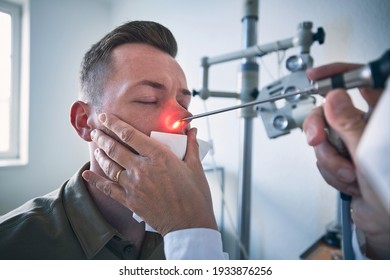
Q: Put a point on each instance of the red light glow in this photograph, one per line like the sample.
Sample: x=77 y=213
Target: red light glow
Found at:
x=177 y=124
x=172 y=124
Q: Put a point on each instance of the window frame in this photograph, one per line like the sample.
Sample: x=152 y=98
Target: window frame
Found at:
x=16 y=155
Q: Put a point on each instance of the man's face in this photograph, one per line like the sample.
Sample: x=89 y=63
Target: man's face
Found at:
x=146 y=89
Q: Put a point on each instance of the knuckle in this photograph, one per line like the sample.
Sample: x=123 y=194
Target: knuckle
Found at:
x=127 y=135
x=108 y=168
x=108 y=122
x=110 y=148
x=355 y=122
x=136 y=176
x=107 y=189
x=97 y=137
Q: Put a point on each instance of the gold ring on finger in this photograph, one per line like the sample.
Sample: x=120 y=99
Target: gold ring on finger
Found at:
x=117 y=175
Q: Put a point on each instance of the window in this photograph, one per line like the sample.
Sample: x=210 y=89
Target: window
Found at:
x=10 y=96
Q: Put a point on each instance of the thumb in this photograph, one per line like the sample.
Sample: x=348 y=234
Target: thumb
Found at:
x=344 y=118
x=192 y=145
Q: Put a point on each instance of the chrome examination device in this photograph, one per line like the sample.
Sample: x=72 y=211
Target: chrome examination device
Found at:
x=373 y=75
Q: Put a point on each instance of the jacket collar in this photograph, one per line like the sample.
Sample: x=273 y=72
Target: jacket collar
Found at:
x=91 y=229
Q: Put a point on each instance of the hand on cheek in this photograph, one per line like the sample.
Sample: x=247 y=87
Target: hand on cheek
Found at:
x=162 y=189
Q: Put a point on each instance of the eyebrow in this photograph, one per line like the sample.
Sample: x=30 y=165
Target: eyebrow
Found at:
x=157 y=85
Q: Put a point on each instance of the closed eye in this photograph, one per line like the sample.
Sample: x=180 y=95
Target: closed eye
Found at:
x=147 y=99
x=147 y=102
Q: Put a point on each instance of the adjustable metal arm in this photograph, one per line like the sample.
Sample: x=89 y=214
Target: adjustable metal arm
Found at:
x=302 y=40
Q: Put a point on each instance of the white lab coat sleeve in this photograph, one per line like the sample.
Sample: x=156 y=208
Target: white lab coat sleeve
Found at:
x=194 y=244
x=374 y=149
x=358 y=244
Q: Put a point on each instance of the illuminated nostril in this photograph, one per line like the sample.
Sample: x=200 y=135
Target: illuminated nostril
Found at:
x=173 y=123
x=177 y=124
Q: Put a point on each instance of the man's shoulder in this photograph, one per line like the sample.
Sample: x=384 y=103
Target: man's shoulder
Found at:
x=36 y=230
x=37 y=208
x=42 y=209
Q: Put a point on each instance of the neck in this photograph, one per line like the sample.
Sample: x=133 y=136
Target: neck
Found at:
x=117 y=215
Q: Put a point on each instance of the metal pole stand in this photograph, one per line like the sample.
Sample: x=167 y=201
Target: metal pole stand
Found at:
x=249 y=81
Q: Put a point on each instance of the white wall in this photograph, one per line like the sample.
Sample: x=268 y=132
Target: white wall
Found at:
x=60 y=32
x=291 y=204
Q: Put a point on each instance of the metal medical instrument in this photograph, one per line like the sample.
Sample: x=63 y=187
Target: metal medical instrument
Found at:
x=373 y=74
x=243 y=105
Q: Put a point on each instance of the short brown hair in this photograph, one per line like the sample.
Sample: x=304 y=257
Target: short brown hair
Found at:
x=96 y=61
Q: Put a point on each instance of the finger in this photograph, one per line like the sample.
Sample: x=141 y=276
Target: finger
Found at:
x=314 y=127
x=351 y=189
x=115 y=151
x=106 y=186
x=371 y=96
x=336 y=170
x=329 y=70
x=109 y=167
x=375 y=224
x=137 y=140
x=344 y=118
x=192 y=151
x=366 y=217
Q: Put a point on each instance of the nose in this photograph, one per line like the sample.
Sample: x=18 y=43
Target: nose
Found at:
x=172 y=119
x=187 y=115
x=181 y=126
x=179 y=111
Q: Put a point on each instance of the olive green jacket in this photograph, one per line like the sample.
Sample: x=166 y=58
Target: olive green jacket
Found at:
x=66 y=224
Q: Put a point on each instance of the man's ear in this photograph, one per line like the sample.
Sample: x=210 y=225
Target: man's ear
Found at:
x=80 y=119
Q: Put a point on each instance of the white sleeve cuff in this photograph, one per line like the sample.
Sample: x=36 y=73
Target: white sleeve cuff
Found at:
x=194 y=244
x=358 y=244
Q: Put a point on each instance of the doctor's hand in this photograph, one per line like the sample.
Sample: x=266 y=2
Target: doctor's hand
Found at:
x=349 y=123
x=167 y=193
x=346 y=120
